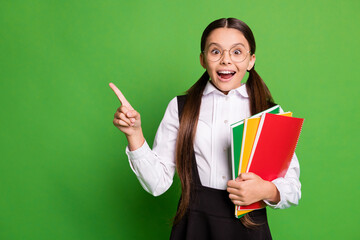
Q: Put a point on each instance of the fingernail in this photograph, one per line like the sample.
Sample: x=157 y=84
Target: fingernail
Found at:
x=132 y=119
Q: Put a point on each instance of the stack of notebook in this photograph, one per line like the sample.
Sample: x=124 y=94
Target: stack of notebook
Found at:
x=264 y=144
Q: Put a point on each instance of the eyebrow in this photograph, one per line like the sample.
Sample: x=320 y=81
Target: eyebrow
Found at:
x=214 y=43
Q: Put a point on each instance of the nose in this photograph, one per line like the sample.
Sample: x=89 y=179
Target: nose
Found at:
x=225 y=58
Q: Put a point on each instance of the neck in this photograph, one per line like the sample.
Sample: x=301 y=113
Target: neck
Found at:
x=224 y=92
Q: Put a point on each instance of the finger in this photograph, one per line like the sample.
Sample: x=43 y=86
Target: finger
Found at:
x=237 y=192
x=240 y=203
x=232 y=184
x=124 y=118
x=123 y=124
x=232 y=191
x=235 y=197
x=120 y=123
x=120 y=96
x=117 y=113
x=123 y=109
x=120 y=110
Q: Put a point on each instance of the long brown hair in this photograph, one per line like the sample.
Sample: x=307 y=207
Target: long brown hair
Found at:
x=260 y=99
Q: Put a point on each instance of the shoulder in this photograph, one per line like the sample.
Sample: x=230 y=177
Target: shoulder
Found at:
x=172 y=108
x=176 y=104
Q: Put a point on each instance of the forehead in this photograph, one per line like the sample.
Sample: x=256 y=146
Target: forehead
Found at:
x=227 y=37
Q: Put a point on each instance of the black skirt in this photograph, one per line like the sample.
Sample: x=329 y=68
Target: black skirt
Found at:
x=210 y=216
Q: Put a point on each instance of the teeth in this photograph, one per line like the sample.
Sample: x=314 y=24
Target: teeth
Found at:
x=226 y=72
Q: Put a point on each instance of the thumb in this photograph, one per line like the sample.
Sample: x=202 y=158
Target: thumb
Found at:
x=133 y=114
x=246 y=176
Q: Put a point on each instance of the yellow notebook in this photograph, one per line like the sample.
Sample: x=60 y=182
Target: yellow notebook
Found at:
x=250 y=129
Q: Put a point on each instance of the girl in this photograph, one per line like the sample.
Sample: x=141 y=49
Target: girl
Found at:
x=194 y=139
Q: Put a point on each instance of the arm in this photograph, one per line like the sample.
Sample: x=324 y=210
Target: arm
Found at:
x=280 y=193
x=155 y=168
x=289 y=187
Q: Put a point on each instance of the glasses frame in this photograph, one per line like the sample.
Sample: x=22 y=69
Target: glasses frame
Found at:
x=223 y=52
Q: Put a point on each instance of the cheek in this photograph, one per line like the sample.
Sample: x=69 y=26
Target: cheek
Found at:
x=242 y=70
x=212 y=75
x=211 y=70
x=243 y=66
x=241 y=76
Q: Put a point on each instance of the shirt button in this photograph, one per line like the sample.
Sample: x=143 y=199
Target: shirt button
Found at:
x=226 y=121
x=226 y=98
x=223 y=177
x=224 y=149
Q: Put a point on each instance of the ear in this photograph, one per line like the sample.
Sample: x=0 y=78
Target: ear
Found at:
x=202 y=60
x=252 y=62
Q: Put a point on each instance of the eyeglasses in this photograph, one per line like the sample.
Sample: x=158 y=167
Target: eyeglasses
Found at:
x=214 y=53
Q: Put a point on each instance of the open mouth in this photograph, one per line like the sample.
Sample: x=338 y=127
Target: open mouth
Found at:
x=225 y=75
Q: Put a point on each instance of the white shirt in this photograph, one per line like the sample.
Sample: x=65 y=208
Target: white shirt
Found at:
x=155 y=168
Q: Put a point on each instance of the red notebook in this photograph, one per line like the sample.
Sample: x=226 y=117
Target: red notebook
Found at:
x=273 y=148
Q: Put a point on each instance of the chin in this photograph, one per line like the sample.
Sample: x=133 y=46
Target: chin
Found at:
x=226 y=86
x=223 y=88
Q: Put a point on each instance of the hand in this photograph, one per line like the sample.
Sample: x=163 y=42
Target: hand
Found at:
x=249 y=188
x=127 y=120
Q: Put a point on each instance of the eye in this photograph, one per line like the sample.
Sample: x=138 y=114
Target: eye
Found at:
x=237 y=52
x=215 y=51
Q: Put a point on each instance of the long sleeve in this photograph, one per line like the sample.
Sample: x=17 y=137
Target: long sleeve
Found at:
x=155 y=168
x=289 y=186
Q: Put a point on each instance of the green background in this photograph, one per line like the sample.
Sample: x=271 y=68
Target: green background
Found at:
x=63 y=169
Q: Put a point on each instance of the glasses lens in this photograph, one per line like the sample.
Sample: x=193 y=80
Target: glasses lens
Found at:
x=238 y=53
x=214 y=53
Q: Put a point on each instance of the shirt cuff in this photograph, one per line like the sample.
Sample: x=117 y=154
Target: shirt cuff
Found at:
x=276 y=205
x=138 y=153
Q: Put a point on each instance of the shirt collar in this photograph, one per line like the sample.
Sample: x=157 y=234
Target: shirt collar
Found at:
x=210 y=88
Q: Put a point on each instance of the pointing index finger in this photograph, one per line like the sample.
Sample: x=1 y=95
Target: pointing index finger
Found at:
x=120 y=96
